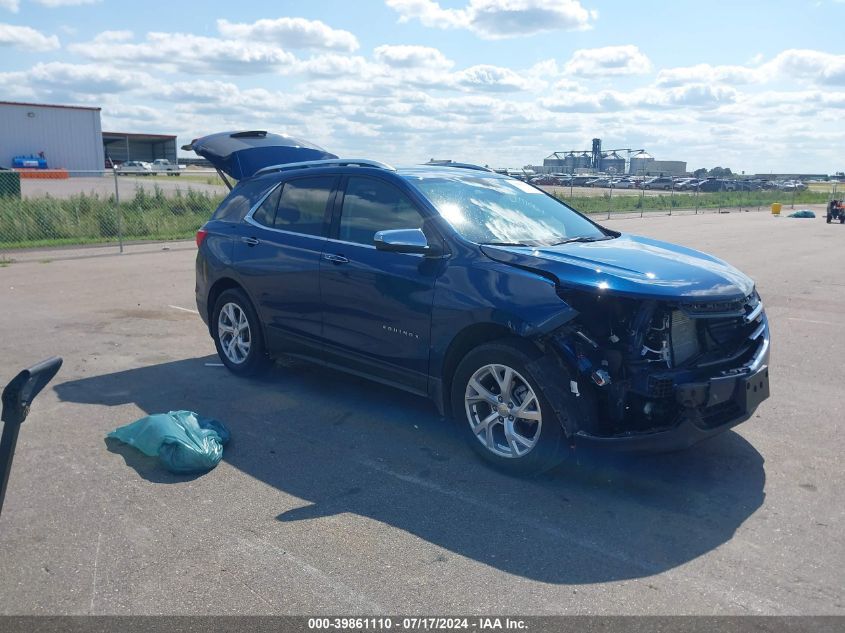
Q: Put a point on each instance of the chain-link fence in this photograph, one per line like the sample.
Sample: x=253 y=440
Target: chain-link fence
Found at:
x=58 y=208
x=607 y=201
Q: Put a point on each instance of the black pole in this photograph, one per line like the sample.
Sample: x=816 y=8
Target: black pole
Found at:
x=7 y=452
x=17 y=398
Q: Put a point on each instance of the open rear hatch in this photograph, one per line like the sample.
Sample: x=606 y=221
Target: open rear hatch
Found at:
x=241 y=154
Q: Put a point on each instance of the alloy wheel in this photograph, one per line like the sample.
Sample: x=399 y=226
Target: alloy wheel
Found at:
x=233 y=333
x=503 y=411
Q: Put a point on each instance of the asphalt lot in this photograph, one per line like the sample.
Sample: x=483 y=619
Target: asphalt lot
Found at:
x=340 y=496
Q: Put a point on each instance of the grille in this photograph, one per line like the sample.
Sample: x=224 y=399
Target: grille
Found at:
x=716 y=307
x=724 y=330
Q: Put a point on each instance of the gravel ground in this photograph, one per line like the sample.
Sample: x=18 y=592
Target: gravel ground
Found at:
x=341 y=496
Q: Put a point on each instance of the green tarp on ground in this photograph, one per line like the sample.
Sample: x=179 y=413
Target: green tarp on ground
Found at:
x=182 y=441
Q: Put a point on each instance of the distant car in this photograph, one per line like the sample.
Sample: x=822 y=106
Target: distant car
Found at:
x=661 y=182
x=602 y=181
x=164 y=166
x=709 y=185
x=548 y=181
x=623 y=183
x=136 y=167
x=793 y=185
x=689 y=185
x=683 y=184
x=581 y=181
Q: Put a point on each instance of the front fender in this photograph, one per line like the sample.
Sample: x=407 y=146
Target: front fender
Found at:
x=524 y=303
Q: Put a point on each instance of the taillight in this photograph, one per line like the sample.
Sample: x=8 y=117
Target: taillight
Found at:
x=201 y=235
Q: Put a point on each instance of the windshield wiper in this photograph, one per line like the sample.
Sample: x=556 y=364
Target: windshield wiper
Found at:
x=583 y=238
x=504 y=244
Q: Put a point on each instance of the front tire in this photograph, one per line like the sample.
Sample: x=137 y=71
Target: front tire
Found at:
x=237 y=334
x=502 y=412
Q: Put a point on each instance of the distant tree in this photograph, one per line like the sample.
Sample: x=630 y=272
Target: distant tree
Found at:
x=720 y=172
x=700 y=173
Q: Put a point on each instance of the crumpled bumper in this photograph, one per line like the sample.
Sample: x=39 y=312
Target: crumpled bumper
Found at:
x=709 y=407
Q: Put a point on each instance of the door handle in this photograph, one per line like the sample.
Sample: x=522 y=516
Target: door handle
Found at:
x=250 y=241
x=335 y=259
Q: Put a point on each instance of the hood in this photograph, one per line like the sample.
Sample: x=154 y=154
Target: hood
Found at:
x=241 y=154
x=633 y=266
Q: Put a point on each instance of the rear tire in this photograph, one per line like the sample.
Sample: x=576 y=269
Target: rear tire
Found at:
x=237 y=334
x=490 y=388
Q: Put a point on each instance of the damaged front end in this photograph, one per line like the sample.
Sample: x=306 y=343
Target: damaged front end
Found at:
x=649 y=374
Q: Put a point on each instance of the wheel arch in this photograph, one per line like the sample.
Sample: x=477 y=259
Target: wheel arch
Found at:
x=465 y=341
x=217 y=289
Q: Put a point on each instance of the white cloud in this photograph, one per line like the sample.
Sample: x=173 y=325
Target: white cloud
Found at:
x=695 y=96
x=332 y=65
x=292 y=33
x=490 y=79
x=112 y=37
x=494 y=19
x=608 y=60
x=705 y=73
x=87 y=78
x=682 y=97
x=809 y=65
x=186 y=53
x=26 y=38
x=412 y=57
x=10 y=5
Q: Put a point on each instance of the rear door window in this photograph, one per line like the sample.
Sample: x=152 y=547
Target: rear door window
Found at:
x=371 y=205
x=302 y=205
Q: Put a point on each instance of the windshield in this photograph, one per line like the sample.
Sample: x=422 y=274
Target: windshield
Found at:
x=503 y=211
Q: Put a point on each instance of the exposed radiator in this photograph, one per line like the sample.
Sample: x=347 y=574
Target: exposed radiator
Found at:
x=684 y=333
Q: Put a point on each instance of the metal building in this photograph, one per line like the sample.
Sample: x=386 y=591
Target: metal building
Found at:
x=554 y=162
x=119 y=147
x=70 y=137
x=639 y=164
x=613 y=163
x=584 y=161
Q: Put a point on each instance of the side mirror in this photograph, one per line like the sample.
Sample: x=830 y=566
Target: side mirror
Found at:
x=404 y=241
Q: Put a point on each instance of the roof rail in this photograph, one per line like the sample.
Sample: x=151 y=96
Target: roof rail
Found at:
x=330 y=162
x=458 y=165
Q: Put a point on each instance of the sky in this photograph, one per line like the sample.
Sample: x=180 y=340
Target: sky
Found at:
x=755 y=86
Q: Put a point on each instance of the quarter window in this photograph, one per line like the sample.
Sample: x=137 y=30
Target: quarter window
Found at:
x=266 y=213
x=238 y=203
x=371 y=205
x=302 y=205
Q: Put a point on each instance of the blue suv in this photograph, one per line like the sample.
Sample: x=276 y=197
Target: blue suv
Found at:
x=531 y=325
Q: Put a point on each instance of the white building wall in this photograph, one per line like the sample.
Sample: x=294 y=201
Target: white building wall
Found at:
x=667 y=167
x=71 y=138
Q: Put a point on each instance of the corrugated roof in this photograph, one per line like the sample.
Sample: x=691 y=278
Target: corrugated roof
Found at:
x=49 y=105
x=139 y=135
